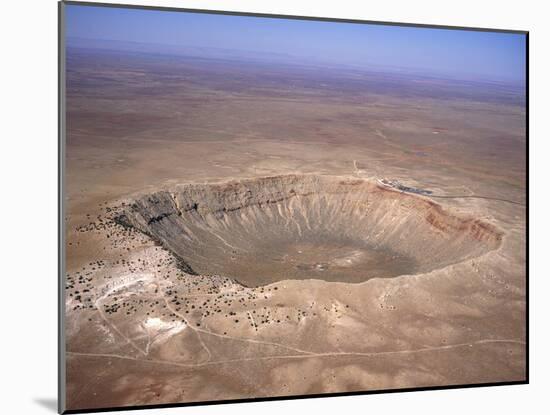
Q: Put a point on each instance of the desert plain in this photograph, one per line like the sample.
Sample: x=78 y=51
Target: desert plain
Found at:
x=240 y=228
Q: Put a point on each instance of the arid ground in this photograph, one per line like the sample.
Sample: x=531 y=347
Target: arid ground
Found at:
x=228 y=234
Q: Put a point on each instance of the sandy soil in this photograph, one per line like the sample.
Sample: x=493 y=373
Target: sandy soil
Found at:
x=142 y=329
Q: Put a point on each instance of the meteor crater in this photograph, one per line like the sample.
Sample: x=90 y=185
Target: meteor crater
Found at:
x=260 y=231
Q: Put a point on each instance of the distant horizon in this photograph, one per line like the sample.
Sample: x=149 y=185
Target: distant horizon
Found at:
x=190 y=51
x=491 y=56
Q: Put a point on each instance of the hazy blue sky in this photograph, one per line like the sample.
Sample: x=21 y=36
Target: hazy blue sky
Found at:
x=456 y=53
